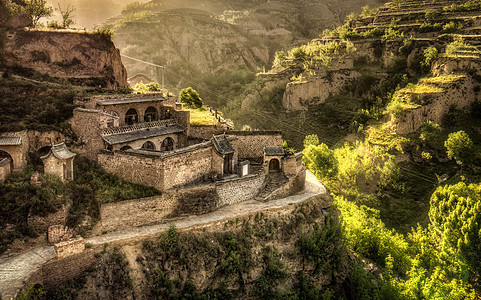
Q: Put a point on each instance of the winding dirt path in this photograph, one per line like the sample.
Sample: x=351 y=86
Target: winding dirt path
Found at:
x=14 y=271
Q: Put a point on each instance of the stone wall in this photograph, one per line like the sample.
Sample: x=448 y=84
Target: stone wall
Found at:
x=161 y=170
x=187 y=167
x=292 y=164
x=135 y=212
x=57 y=272
x=239 y=189
x=134 y=168
x=85 y=124
x=54 y=166
x=250 y=144
x=58 y=233
x=18 y=153
x=5 y=169
x=294 y=185
x=182 y=117
x=69 y=248
x=205 y=132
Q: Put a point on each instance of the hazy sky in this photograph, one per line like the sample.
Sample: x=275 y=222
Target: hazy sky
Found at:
x=92 y=12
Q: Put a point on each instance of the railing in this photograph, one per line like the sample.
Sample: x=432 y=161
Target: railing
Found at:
x=138 y=126
x=219 y=118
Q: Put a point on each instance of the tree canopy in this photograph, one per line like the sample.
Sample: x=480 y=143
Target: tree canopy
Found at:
x=190 y=97
x=37 y=9
x=459 y=147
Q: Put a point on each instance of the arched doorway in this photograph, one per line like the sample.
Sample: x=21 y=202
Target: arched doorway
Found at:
x=151 y=114
x=167 y=144
x=274 y=165
x=148 y=145
x=35 y=158
x=3 y=155
x=131 y=117
x=125 y=148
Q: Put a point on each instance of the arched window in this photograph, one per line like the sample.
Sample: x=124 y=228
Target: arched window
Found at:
x=125 y=148
x=131 y=117
x=274 y=165
x=167 y=144
x=148 y=145
x=151 y=114
x=4 y=155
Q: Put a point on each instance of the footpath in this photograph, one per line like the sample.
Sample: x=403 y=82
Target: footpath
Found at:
x=14 y=271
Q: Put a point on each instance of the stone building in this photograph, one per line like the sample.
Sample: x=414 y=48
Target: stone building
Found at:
x=130 y=122
x=59 y=162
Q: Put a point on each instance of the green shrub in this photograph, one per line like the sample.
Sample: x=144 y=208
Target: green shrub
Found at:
x=190 y=97
x=430 y=56
x=320 y=160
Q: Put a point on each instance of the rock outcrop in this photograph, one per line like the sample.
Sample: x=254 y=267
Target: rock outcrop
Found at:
x=79 y=58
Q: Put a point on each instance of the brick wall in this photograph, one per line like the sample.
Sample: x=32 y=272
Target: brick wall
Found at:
x=57 y=272
x=239 y=189
x=250 y=144
x=4 y=169
x=69 y=248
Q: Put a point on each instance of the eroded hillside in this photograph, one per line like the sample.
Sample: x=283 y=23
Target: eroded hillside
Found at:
x=215 y=44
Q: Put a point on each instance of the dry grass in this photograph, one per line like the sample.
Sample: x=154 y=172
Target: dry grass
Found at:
x=201 y=117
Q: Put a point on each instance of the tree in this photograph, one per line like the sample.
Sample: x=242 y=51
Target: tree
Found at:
x=37 y=9
x=67 y=15
x=460 y=147
x=190 y=97
x=455 y=214
x=320 y=160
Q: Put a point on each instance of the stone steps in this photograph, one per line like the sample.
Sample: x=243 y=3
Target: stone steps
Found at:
x=272 y=183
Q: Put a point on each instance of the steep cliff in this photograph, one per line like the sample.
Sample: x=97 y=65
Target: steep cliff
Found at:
x=79 y=58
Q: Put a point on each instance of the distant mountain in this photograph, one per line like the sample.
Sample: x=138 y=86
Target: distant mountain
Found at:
x=203 y=43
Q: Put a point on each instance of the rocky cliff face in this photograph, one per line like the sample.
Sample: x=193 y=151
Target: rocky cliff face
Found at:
x=76 y=57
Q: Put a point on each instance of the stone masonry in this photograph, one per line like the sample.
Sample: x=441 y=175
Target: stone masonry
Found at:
x=58 y=233
x=70 y=247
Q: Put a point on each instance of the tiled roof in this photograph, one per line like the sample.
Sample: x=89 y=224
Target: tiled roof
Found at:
x=10 y=140
x=60 y=151
x=222 y=144
x=273 y=151
x=142 y=134
x=130 y=100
